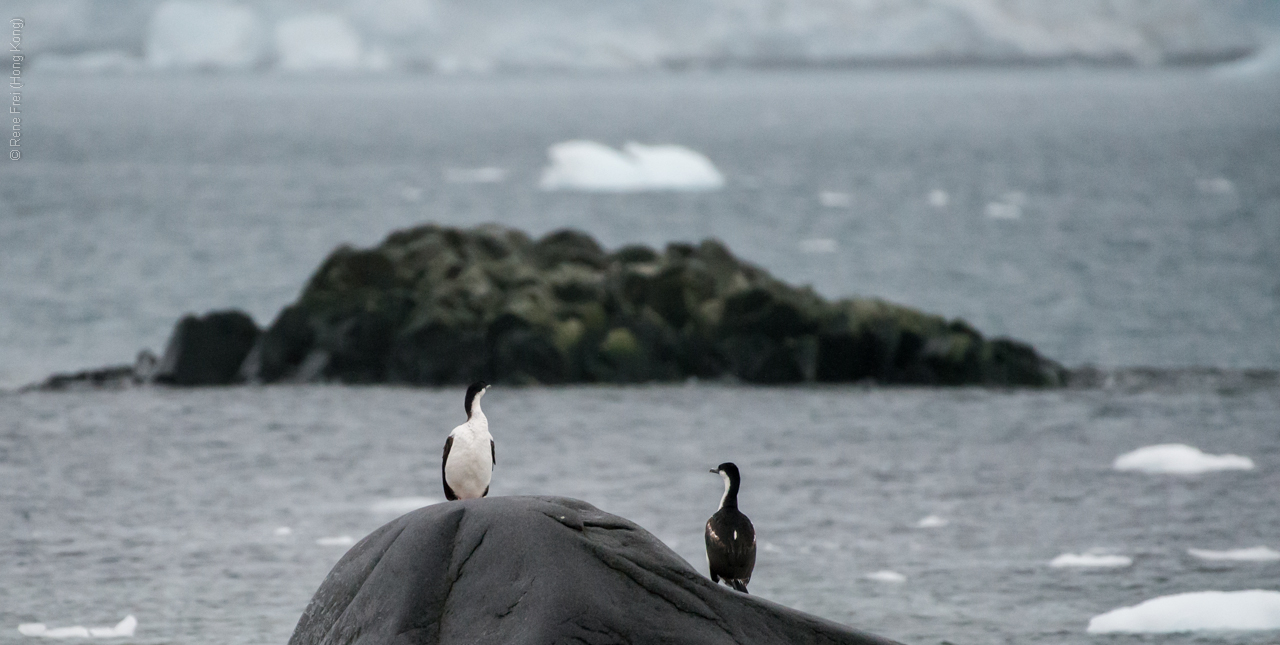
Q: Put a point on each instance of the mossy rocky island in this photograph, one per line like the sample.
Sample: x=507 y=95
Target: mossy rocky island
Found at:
x=435 y=305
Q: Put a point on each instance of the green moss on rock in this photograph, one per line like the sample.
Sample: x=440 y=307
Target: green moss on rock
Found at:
x=436 y=305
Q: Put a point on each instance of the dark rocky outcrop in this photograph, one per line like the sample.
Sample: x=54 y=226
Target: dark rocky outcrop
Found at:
x=437 y=305
x=537 y=570
x=207 y=350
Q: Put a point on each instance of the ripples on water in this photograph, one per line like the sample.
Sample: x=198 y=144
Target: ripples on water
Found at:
x=1117 y=218
x=169 y=504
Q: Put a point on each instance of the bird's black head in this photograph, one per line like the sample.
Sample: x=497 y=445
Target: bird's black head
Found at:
x=729 y=470
x=473 y=394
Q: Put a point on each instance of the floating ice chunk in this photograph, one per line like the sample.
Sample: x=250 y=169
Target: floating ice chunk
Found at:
x=1009 y=206
x=486 y=175
x=1091 y=560
x=1216 y=186
x=283 y=531
x=1254 y=554
x=317 y=41
x=590 y=166
x=402 y=505
x=123 y=629
x=939 y=198
x=1195 y=611
x=1178 y=459
x=833 y=199
x=188 y=34
x=341 y=540
x=931 y=522
x=818 y=245
x=411 y=193
x=886 y=576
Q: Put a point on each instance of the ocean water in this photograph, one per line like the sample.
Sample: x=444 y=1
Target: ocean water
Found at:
x=1114 y=218
x=167 y=504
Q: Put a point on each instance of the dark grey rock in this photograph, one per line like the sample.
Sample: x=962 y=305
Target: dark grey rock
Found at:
x=208 y=350
x=537 y=571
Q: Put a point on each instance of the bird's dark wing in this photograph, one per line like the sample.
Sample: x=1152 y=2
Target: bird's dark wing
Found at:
x=493 y=451
x=448 y=492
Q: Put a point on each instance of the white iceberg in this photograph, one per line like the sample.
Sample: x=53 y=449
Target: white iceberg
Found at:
x=1178 y=459
x=123 y=629
x=402 y=505
x=939 y=198
x=887 y=576
x=1194 y=611
x=1009 y=206
x=339 y=540
x=282 y=531
x=594 y=167
x=1094 y=560
x=316 y=42
x=196 y=35
x=834 y=199
x=1253 y=554
x=931 y=522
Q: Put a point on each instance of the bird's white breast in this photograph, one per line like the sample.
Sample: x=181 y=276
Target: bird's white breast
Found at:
x=469 y=466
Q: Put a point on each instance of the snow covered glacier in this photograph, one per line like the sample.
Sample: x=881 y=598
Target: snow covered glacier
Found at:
x=463 y=35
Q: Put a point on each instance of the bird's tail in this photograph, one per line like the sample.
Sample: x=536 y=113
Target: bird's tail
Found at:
x=738 y=585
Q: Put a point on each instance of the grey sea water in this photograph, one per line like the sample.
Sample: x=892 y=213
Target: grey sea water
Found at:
x=1147 y=228
x=1115 y=218
x=166 y=504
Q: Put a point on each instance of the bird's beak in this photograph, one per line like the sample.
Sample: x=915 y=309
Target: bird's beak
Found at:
x=713 y=471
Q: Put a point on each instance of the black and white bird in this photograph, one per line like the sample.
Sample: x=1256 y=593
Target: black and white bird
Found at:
x=469 y=452
x=731 y=539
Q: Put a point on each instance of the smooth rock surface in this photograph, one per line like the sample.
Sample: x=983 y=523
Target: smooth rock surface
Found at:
x=536 y=570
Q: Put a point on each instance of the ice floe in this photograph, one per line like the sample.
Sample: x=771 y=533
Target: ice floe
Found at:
x=186 y=34
x=317 y=41
x=886 y=576
x=122 y=629
x=939 y=198
x=1178 y=459
x=282 y=531
x=1252 y=554
x=486 y=175
x=594 y=167
x=931 y=522
x=818 y=245
x=834 y=199
x=402 y=505
x=1091 y=560
x=1216 y=186
x=1009 y=206
x=1254 y=609
x=339 y=540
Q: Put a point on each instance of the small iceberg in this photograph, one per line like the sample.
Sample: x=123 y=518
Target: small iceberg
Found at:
x=1178 y=459
x=1091 y=560
x=317 y=42
x=594 y=167
x=123 y=629
x=486 y=175
x=1192 y=612
x=939 y=198
x=1254 y=554
x=191 y=34
x=282 y=531
x=401 y=505
x=1009 y=206
x=887 y=576
x=931 y=522
x=340 y=540
x=834 y=199
x=1216 y=186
